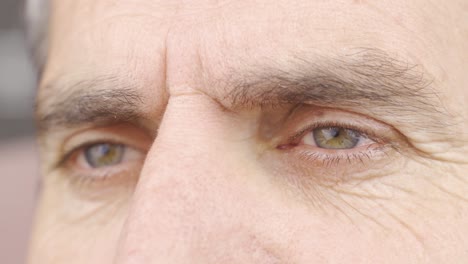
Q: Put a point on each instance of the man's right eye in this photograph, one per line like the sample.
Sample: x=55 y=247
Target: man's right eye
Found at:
x=104 y=154
x=103 y=162
x=104 y=157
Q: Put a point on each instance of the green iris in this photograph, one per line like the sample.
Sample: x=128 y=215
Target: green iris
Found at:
x=102 y=155
x=336 y=137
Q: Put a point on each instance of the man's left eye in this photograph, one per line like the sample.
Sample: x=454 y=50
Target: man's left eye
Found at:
x=333 y=138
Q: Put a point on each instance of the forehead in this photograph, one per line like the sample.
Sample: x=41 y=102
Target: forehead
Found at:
x=149 y=38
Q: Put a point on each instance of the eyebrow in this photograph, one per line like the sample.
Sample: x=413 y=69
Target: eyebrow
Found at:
x=102 y=100
x=367 y=79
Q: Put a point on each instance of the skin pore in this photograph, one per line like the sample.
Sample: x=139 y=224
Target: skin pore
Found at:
x=207 y=114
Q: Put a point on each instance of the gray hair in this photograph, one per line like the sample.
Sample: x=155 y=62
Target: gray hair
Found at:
x=36 y=18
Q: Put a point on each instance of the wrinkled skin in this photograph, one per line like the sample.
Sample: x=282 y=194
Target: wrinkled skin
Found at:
x=209 y=179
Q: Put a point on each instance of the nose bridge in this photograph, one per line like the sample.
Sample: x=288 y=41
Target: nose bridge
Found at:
x=189 y=187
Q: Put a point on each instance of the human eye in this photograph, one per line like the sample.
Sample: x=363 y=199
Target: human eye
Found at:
x=339 y=139
x=102 y=161
x=335 y=143
x=105 y=155
x=103 y=158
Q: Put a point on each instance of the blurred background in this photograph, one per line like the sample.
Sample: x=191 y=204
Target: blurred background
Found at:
x=18 y=162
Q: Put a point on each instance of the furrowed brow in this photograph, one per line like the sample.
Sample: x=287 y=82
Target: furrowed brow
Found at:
x=96 y=101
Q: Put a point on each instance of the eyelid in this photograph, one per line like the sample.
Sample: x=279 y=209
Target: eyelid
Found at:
x=118 y=134
x=308 y=118
x=93 y=182
x=102 y=183
x=80 y=164
x=79 y=152
x=71 y=151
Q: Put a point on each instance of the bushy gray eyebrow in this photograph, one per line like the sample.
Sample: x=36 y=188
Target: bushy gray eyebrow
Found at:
x=366 y=78
x=368 y=75
x=100 y=100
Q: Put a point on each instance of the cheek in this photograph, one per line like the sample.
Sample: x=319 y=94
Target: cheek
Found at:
x=366 y=222
x=312 y=236
x=73 y=229
x=76 y=242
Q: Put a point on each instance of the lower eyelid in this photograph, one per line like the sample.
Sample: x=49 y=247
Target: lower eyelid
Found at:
x=127 y=171
x=326 y=157
x=120 y=134
x=103 y=184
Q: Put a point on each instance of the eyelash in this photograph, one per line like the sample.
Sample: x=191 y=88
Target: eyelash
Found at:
x=99 y=175
x=80 y=147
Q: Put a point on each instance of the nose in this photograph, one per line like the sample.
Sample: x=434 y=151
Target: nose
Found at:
x=198 y=199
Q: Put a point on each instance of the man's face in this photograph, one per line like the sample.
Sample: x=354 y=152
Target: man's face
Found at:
x=254 y=132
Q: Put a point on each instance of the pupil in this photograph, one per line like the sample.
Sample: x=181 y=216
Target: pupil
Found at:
x=335 y=132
